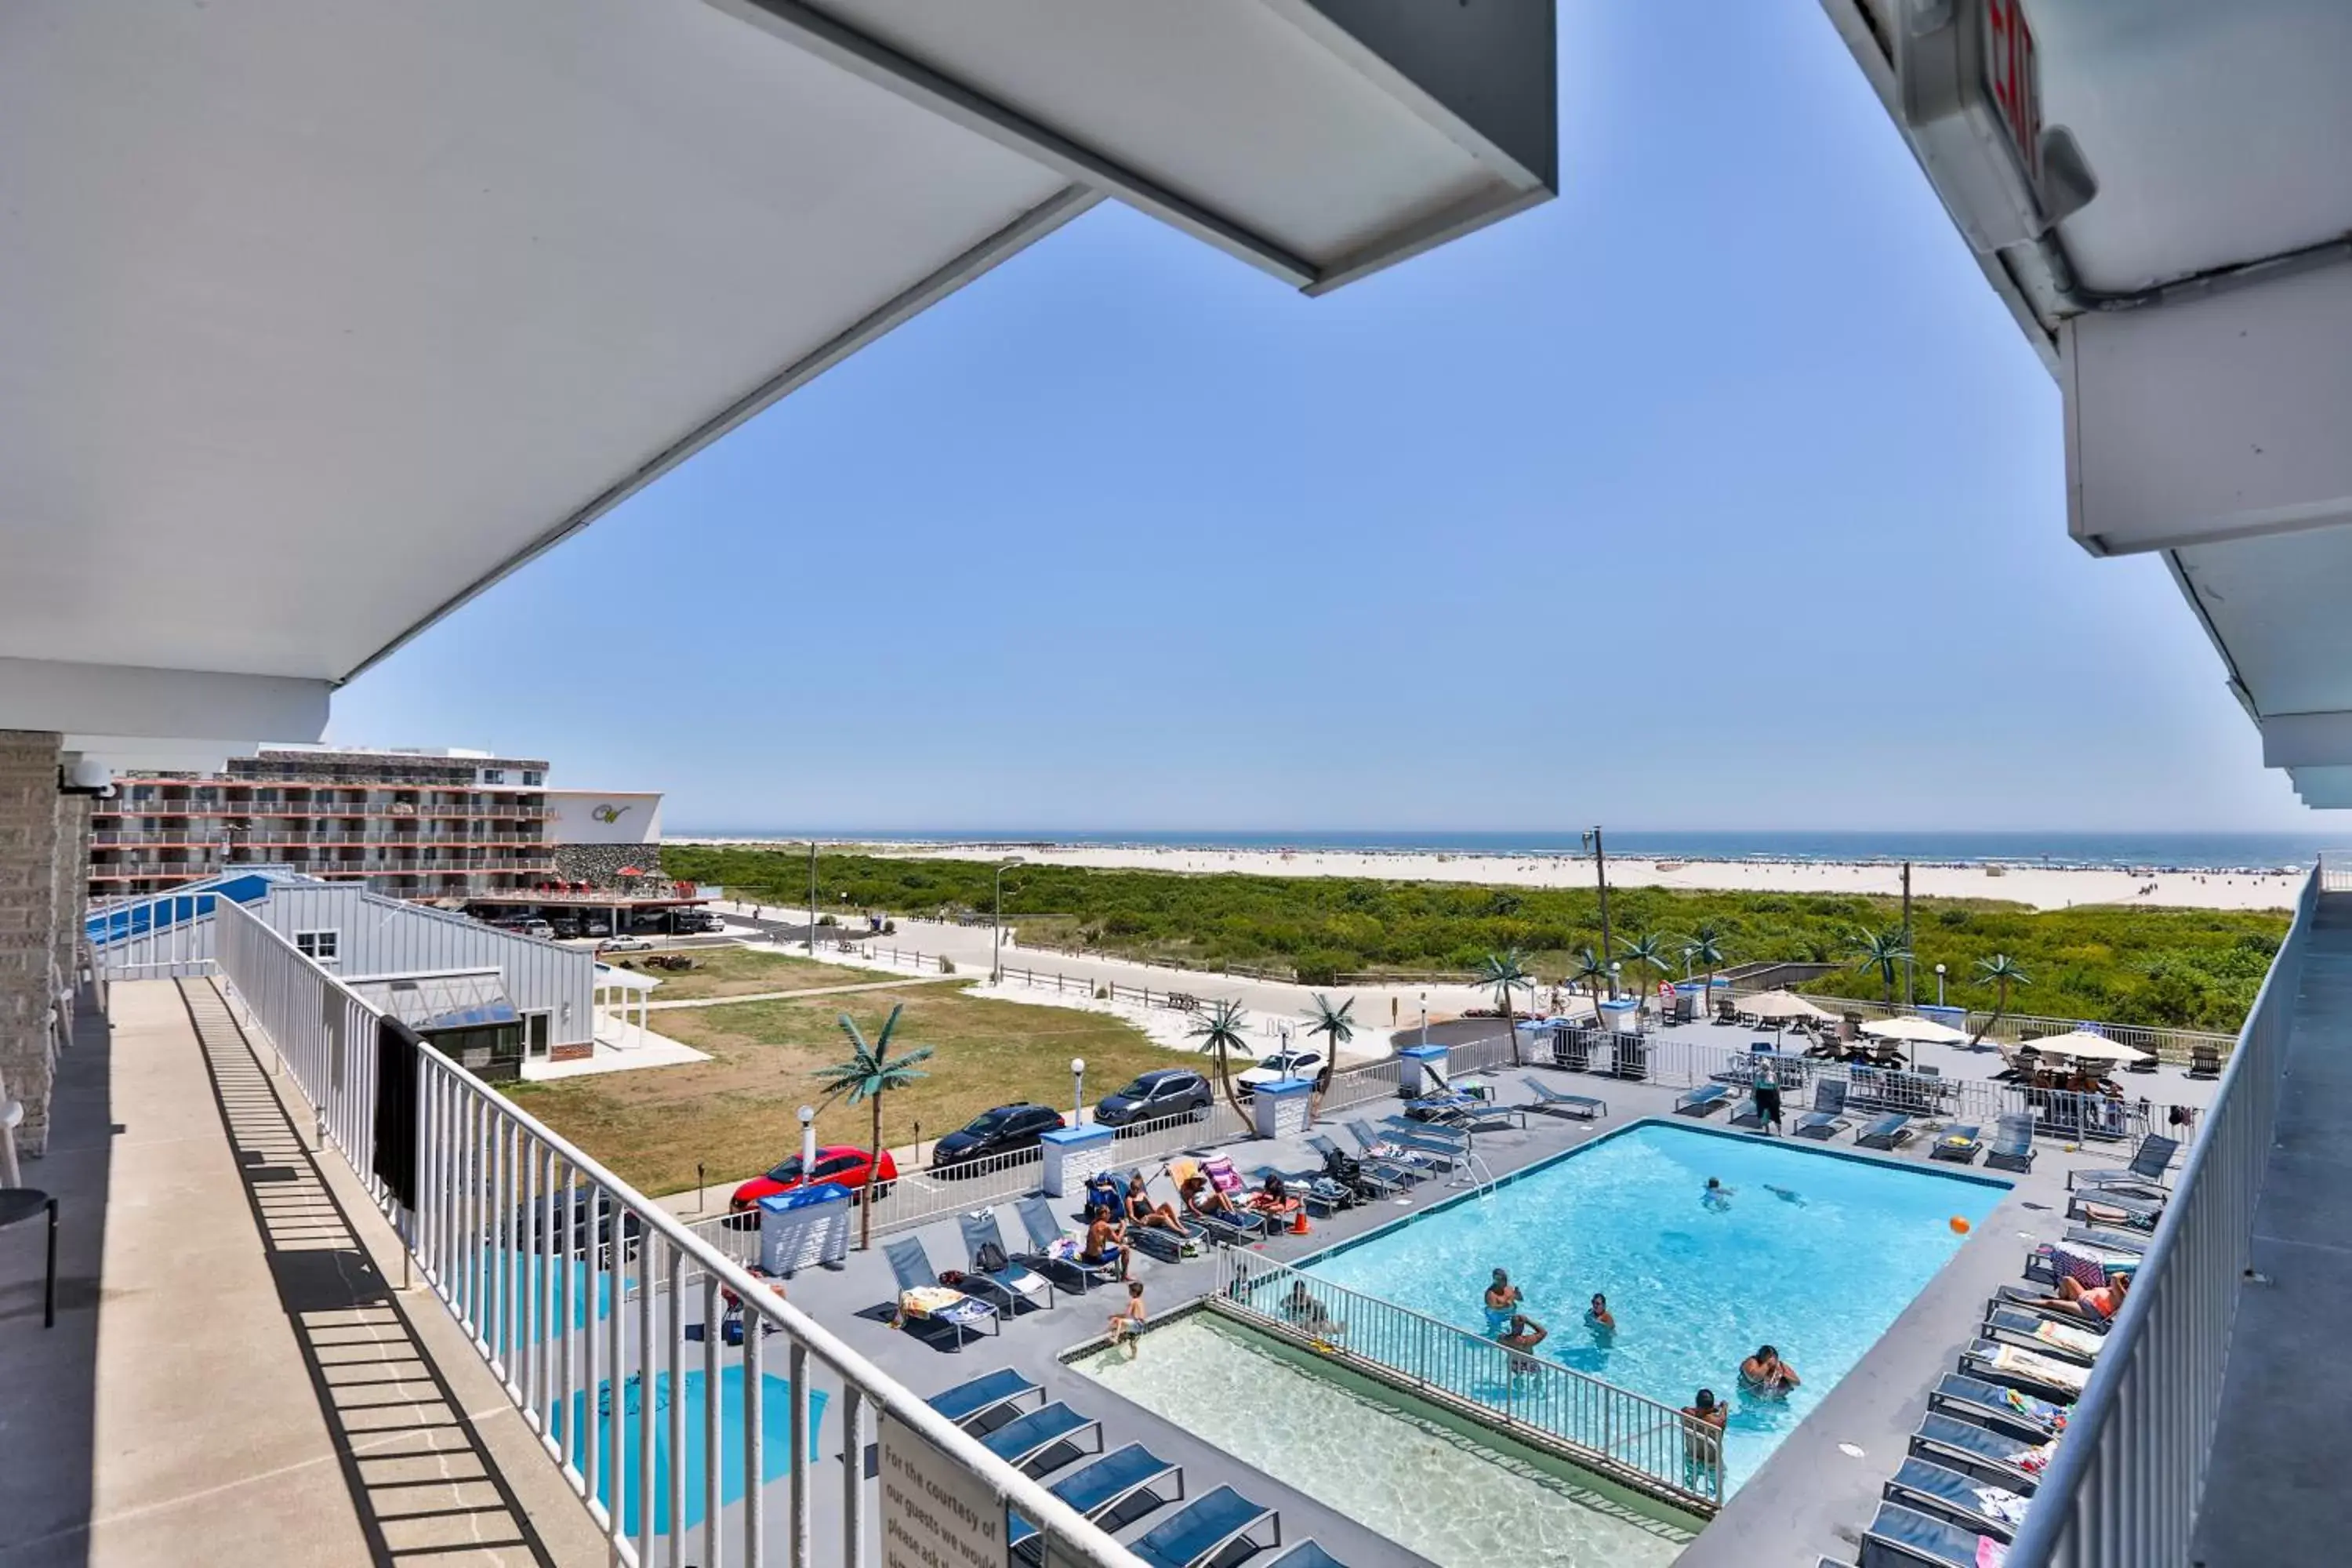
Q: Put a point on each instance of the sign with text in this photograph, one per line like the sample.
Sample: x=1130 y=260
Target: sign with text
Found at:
x=935 y=1514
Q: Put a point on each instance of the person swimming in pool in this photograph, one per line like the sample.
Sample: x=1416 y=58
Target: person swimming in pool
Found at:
x=1599 y=1319
x=1785 y=1195
x=1502 y=1299
x=1766 y=1374
x=1521 y=1335
x=1717 y=1197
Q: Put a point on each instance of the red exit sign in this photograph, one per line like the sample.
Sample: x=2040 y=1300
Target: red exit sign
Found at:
x=2012 y=73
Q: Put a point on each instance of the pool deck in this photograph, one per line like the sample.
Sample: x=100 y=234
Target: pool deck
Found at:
x=1807 y=1501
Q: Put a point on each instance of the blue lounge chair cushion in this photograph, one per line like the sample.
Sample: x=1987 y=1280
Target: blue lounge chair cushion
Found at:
x=1702 y=1100
x=1104 y=1485
x=1905 y=1536
x=1024 y=1438
x=1884 y=1133
x=2005 y=1405
x=1549 y=1099
x=1205 y=1529
x=1307 y=1554
x=2018 y=1458
x=969 y=1400
x=1986 y=1509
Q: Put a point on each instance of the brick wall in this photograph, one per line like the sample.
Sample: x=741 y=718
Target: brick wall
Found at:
x=29 y=877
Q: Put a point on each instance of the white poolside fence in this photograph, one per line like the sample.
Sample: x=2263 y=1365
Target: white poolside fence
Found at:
x=577 y=1291
x=2181 y=1048
x=1609 y=1430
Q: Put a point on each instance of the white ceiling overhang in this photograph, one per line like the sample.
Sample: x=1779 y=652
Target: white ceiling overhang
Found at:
x=2196 y=313
x=326 y=314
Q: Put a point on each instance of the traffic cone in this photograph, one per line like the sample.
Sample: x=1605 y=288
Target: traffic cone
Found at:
x=1298 y=1220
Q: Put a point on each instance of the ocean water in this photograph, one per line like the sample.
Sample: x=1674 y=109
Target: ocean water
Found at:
x=2154 y=851
x=1813 y=1253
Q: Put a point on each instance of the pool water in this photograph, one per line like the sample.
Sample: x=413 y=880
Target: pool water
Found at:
x=1454 y=1499
x=775 y=1439
x=1818 y=1268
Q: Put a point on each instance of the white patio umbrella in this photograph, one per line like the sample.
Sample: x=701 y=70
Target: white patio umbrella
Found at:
x=1782 y=1007
x=2083 y=1046
x=1915 y=1031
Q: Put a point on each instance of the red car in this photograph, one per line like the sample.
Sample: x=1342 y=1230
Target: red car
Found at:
x=842 y=1162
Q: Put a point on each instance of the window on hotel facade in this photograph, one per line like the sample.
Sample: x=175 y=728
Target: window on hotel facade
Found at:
x=321 y=945
x=494 y=775
x=533 y=778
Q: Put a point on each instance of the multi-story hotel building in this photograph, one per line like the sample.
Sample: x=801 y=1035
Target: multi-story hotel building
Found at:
x=414 y=824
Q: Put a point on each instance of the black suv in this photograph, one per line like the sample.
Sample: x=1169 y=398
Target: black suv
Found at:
x=1001 y=1131
x=1161 y=1092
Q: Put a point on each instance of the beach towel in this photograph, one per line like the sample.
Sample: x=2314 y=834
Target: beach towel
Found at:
x=2001 y=1503
x=933 y=1301
x=1221 y=1175
x=1991 y=1553
x=2036 y=1459
x=2040 y=1412
x=2042 y=1369
x=2061 y=1336
x=2087 y=1272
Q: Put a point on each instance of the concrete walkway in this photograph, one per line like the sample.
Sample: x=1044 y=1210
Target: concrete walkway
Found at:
x=233 y=1379
x=2275 y=1490
x=812 y=990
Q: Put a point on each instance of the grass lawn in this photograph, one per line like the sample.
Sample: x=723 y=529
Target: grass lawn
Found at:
x=737 y=1113
x=743 y=972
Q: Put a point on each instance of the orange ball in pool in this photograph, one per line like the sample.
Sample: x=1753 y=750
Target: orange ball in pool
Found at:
x=1959 y=1226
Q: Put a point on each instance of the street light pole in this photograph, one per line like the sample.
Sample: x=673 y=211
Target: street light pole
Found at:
x=1601 y=875
x=1078 y=1091
x=1939 y=985
x=996 y=924
x=812 y=930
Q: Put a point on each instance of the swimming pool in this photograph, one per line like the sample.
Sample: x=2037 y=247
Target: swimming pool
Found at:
x=1439 y=1488
x=1813 y=1252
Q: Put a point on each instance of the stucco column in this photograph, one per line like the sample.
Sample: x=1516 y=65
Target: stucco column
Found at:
x=28 y=881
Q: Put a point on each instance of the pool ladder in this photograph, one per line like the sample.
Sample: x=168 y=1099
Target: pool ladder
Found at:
x=1480 y=1177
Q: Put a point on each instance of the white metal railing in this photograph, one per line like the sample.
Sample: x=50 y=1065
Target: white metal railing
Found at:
x=2335 y=874
x=2123 y=1487
x=1613 y=1430
x=2179 y=1046
x=1676 y=1061
x=574 y=1290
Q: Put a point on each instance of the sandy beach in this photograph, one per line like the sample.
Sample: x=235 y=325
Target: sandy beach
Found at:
x=2046 y=889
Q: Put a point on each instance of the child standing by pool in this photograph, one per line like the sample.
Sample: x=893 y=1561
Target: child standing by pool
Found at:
x=1501 y=1301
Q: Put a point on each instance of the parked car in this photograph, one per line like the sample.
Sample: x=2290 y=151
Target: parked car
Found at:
x=542 y=1229
x=1005 y=1130
x=625 y=944
x=842 y=1162
x=596 y=926
x=1294 y=1062
x=540 y=928
x=1161 y=1092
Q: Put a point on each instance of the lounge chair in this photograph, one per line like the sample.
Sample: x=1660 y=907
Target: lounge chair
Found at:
x=2043 y=1262
x=1827 y=1118
x=1902 y=1537
x=1703 y=1100
x=1957 y=1499
x=2012 y=1142
x=1054 y=1250
x=2112 y=1240
x=1890 y=1132
x=1997 y=1408
x=1205 y=1529
x=1307 y=1554
x=969 y=1402
x=1023 y=1441
x=1992 y=1456
x=2146 y=1169
x=923 y=1299
x=1239 y=1225
x=2077 y=1342
x=2204 y=1061
x=1010 y=1283
x=2110 y=1208
x=1101 y=1488
x=2044 y=1377
x=1553 y=1102
x=1466 y=1111
x=1381 y=1176
x=1959 y=1143
x=1396 y=1152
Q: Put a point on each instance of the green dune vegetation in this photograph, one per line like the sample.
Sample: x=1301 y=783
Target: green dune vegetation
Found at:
x=2183 y=968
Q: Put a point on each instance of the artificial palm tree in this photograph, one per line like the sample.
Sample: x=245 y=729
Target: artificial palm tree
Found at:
x=1650 y=949
x=2002 y=971
x=1219 y=1030
x=1705 y=946
x=1502 y=973
x=1591 y=971
x=1336 y=1026
x=870 y=1072
x=1881 y=950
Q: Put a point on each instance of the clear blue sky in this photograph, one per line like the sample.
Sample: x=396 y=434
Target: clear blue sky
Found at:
x=1719 y=492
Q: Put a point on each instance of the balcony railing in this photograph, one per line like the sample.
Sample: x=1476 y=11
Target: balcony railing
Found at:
x=577 y=1291
x=2124 y=1486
